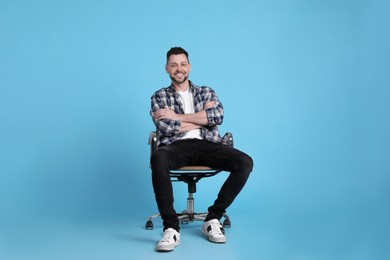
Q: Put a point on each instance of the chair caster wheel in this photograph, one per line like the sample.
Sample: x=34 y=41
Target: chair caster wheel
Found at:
x=227 y=223
x=149 y=225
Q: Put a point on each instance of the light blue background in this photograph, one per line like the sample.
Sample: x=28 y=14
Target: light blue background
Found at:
x=305 y=85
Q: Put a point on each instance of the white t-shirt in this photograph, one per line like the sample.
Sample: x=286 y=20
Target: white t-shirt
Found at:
x=188 y=103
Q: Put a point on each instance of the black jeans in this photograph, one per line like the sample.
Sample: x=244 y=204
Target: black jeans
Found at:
x=197 y=152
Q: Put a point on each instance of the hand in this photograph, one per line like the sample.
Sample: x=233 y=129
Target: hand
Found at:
x=209 y=104
x=165 y=113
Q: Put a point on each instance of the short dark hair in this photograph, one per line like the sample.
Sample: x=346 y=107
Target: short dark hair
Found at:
x=177 y=51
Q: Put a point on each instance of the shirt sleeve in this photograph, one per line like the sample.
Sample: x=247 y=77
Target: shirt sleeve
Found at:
x=166 y=127
x=214 y=114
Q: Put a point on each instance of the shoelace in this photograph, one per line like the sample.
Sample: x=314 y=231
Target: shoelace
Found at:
x=216 y=228
x=168 y=234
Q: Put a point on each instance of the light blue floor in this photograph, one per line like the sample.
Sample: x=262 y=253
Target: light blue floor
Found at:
x=283 y=237
x=290 y=222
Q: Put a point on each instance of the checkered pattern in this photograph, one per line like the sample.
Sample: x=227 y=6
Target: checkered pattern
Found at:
x=168 y=130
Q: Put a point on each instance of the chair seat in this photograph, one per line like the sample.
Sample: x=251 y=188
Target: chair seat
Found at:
x=195 y=168
x=195 y=171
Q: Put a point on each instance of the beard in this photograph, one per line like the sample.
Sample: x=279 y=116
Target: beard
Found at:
x=179 y=81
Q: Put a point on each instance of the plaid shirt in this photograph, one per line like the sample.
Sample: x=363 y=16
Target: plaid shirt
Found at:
x=168 y=130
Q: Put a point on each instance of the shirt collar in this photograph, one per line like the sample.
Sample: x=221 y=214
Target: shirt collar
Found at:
x=191 y=87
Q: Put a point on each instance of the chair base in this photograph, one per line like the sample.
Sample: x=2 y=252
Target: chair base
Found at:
x=186 y=217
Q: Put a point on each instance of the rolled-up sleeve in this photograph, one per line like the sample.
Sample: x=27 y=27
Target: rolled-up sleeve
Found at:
x=214 y=114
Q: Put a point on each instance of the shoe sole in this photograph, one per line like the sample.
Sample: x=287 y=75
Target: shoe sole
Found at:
x=167 y=249
x=219 y=241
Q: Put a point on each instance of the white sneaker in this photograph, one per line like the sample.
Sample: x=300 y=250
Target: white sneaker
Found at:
x=170 y=240
x=214 y=231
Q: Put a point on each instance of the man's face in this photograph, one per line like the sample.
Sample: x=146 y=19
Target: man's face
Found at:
x=178 y=68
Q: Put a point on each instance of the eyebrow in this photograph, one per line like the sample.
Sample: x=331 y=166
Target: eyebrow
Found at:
x=175 y=63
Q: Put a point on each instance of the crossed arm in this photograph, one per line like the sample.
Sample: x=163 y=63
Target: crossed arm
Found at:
x=188 y=121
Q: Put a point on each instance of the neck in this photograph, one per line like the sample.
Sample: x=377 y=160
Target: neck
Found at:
x=181 y=86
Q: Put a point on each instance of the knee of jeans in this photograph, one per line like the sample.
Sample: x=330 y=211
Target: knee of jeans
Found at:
x=246 y=163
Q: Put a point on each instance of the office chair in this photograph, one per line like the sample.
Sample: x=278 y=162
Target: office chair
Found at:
x=190 y=174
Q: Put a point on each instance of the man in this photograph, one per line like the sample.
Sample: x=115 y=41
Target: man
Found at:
x=186 y=117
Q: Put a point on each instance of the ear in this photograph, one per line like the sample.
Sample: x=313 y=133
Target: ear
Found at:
x=166 y=68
